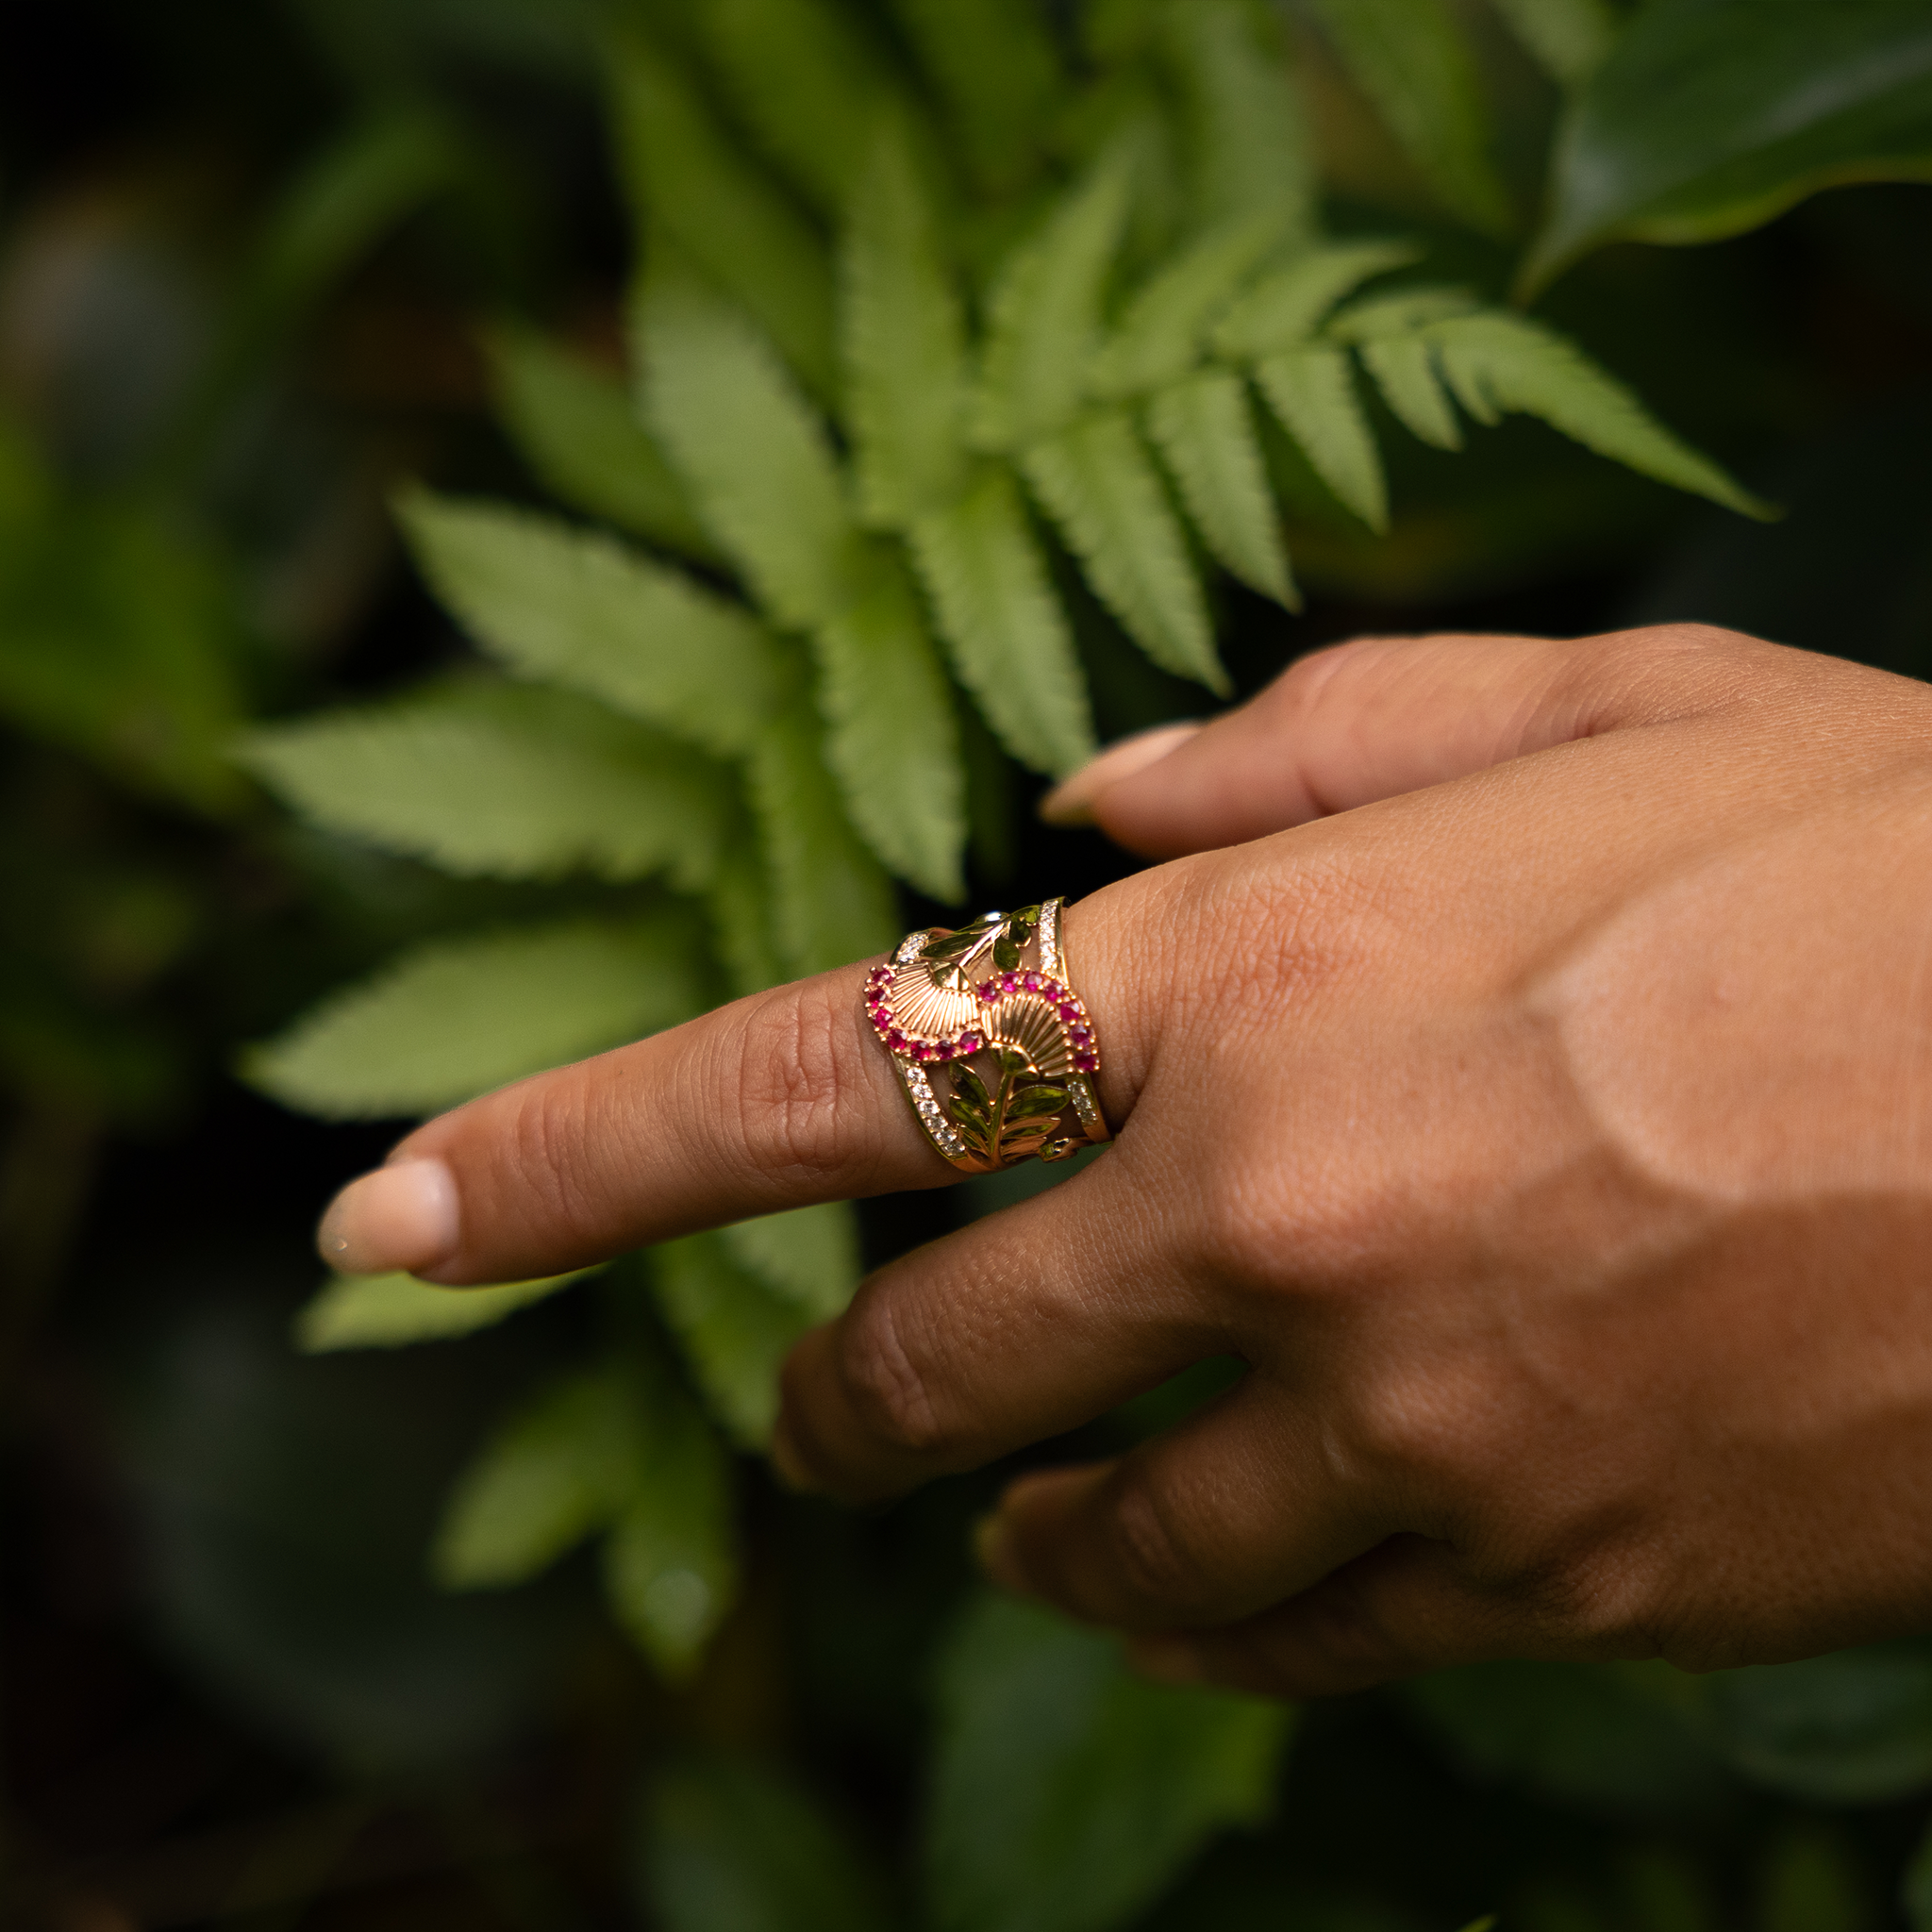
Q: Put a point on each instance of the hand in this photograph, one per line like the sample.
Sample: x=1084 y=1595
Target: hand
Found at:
x=1529 y=1075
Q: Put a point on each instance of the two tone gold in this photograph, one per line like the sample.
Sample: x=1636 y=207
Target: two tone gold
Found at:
x=995 y=1050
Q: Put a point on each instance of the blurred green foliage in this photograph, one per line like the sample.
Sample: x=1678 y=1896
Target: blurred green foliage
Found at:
x=955 y=385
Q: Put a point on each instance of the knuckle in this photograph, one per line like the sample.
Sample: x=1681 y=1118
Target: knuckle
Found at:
x=1147 y=1549
x=797 y=1079
x=888 y=1393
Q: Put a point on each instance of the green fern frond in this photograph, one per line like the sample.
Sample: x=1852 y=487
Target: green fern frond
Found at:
x=576 y=430
x=575 y=609
x=683 y=174
x=1286 y=306
x=750 y=449
x=740 y=903
x=1314 y=396
x=1568 y=38
x=458 y=1017
x=892 y=737
x=831 y=900
x=1097 y=483
x=1404 y=371
x=809 y=1256
x=1247 y=127
x=1044 y=314
x=903 y=331
x=501 y=782
x=1205 y=429
x=1003 y=623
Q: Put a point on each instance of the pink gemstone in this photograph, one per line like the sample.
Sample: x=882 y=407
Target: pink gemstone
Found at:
x=925 y=1052
x=1086 y=1063
x=989 y=991
x=1011 y=981
x=1080 y=1036
x=1069 y=1011
x=1030 y=981
x=897 y=1040
x=970 y=1042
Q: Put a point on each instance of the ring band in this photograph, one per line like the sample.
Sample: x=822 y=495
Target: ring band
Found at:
x=997 y=1055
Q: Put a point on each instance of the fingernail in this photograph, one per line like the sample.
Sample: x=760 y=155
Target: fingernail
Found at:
x=401 y=1218
x=1167 y=1659
x=992 y=1543
x=1071 y=801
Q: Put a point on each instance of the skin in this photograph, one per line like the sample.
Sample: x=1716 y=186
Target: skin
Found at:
x=1524 y=1061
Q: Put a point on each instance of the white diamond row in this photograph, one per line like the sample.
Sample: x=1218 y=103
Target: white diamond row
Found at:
x=932 y=1116
x=1081 y=1091
x=1050 y=940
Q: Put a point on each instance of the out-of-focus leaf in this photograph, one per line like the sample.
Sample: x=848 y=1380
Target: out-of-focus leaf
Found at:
x=1096 y=482
x=996 y=65
x=809 y=81
x=503 y=781
x=728 y=1845
x=1709 y=117
x=1010 y=639
x=903 y=335
x=1915 y=1888
x=750 y=448
x=1044 y=314
x=1312 y=392
x=1404 y=371
x=456 y=1017
x=1410 y=57
x=831 y=899
x=574 y=608
x=1284 y=308
x=809 y=1255
x=575 y=426
x=1568 y=38
x=892 y=737
x=1497 y=362
x=740 y=908
x=1068 y=1792
x=392 y=1311
x=724 y=213
x=1812 y=1879
x=1247 y=130
x=1852 y=1728
x=734 y=1332
x=1204 y=428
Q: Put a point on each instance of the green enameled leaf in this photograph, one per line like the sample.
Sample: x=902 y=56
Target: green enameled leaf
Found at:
x=1286 y=306
x=831 y=899
x=903 y=335
x=1036 y=1103
x=1410 y=57
x=1404 y=371
x=574 y=608
x=1205 y=429
x=1568 y=38
x=1096 y=482
x=505 y=781
x=454 y=1018
x=392 y=1310
x=689 y=178
x=1497 y=362
x=1044 y=314
x=575 y=425
x=892 y=738
x=1313 y=394
x=809 y=1255
x=1069 y=1792
x=750 y=448
x=1709 y=117
x=1003 y=623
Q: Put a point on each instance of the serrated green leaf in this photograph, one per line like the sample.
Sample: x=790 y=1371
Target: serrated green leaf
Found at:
x=1001 y=619
x=574 y=608
x=669 y=1561
x=687 y=176
x=1497 y=361
x=1205 y=429
x=750 y=448
x=741 y=908
x=996 y=65
x=503 y=781
x=1286 y=306
x=552 y=1475
x=576 y=427
x=831 y=900
x=893 y=740
x=455 y=1017
x=1247 y=127
x=1313 y=394
x=903 y=335
x=1568 y=38
x=1097 y=484
x=808 y=81
x=392 y=1310
x=1401 y=312
x=1412 y=60
x=734 y=1330
x=1068 y=1794
x=1404 y=371
x=809 y=1255
x=1044 y=314
x=1159 y=339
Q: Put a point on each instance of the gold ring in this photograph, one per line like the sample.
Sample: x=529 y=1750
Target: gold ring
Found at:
x=993 y=1046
